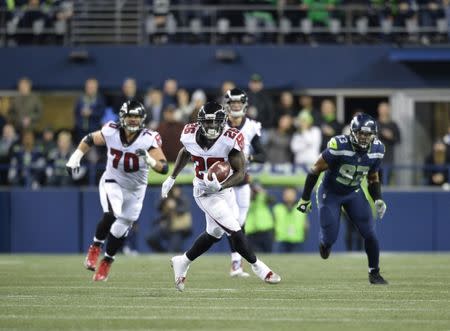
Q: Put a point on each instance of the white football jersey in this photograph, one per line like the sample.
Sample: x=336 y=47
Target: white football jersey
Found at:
x=249 y=128
x=205 y=158
x=124 y=166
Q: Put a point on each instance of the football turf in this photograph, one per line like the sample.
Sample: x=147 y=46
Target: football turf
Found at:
x=47 y=292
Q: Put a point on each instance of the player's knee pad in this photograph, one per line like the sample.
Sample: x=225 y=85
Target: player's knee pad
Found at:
x=120 y=228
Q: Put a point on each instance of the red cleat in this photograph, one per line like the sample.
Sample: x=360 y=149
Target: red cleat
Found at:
x=92 y=256
x=103 y=271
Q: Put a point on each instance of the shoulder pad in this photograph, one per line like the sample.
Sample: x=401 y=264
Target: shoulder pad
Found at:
x=338 y=142
x=110 y=128
x=377 y=146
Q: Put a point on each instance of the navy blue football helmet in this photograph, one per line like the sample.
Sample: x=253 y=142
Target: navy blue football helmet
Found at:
x=363 y=130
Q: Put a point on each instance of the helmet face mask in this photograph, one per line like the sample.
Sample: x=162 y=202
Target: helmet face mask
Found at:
x=236 y=103
x=212 y=119
x=132 y=116
x=363 y=131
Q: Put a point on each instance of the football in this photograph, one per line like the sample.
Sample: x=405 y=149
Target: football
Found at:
x=221 y=169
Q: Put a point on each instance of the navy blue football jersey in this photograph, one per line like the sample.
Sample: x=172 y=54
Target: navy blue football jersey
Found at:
x=348 y=166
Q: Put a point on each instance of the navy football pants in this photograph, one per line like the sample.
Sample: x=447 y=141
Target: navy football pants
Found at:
x=360 y=214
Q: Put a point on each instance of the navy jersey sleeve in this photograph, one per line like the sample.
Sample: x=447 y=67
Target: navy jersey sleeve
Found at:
x=331 y=154
x=376 y=153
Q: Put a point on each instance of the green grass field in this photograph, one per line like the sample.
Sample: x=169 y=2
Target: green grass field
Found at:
x=47 y=292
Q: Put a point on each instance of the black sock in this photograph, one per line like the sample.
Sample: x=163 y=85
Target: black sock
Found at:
x=201 y=245
x=240 y=242
x=113 y=245
x=103 y=227
x=373 y=252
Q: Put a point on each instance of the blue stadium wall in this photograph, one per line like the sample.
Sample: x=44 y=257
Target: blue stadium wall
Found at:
x=61 y=68
x=63 y=221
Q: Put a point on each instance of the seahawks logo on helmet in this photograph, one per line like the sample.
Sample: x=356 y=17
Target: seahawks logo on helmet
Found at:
x=232 y=99
x=128 y=113
x=212 y=119
x=363 y=130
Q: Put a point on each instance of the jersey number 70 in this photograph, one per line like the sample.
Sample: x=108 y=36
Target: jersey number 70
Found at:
x=130 y=160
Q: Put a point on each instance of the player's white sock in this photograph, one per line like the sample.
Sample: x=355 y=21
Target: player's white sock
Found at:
x=96 y=240
x=236 y=257
x=185 y=259
x=109 y=256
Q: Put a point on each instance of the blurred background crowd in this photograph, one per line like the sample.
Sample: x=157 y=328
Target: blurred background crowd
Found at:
x=207 y=21
x=296 y=128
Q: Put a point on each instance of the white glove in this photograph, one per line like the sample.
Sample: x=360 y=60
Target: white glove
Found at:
x=73 y=165
x=380 y=208
x=167 y=186
x=151 y=162
x=212 y=186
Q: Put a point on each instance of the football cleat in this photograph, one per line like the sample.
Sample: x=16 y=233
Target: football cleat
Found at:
x=92 y=256
x=376 y=279
x=324 y=251
x=237 y=271
x=264 y=273
x=103 y=271
x=180 y=268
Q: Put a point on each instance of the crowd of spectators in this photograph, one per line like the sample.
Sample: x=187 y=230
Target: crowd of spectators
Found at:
x=35 y=21
x=293 y=129
x=292 y=21
x=270 y=21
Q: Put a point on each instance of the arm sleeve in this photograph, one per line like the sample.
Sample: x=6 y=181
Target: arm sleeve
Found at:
x=259 y=155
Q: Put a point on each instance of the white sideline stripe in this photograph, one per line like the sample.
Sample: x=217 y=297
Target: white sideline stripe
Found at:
x=227 y=318
x=221 y=308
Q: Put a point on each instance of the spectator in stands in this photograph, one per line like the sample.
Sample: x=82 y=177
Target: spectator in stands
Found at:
x=27 y=163
x=32 y=17
x=306 y=104
x=8 y=139
x=47 y=140
x=278 y=144
x=388 y=133
x=306 y=142
x=260 y=104
x=285 y=107
x=174 y=225
x=437 y=165
x=260 y=24
x=89 y=109
x=170 y=92
x=26 y=109
x=56 y=171
x=291 y=226
x=169 y=128
x=129 y=92
x=259 y=224
x=320 y=13
x=154 y=104
x=198 y=99
x=184 y=109
x=328 y=122
x=429 y=12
